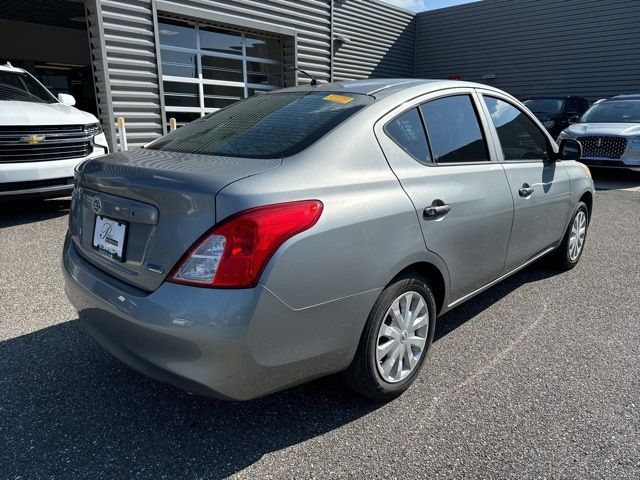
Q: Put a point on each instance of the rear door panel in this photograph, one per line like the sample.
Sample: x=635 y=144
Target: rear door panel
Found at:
x=472 y=238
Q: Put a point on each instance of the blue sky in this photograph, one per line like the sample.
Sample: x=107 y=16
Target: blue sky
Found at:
x=422 y=5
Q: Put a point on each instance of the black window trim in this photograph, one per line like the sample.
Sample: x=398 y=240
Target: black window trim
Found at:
x=424 y=129
x=480 y=124
x=433 y=163
x=550 y=151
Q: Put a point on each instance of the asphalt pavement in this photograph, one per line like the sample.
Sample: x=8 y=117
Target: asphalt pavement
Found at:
x=537 y=378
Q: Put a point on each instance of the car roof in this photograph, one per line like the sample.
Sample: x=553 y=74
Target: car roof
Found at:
x=384 y=87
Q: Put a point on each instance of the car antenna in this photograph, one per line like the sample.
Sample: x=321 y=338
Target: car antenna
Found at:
x=314 y=80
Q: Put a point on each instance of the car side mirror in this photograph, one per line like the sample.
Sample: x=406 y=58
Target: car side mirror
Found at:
x=570 y=150
x=66 y=99
x=574 y=119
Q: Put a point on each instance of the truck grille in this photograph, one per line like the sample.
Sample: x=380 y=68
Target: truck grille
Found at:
x=603 y=147
x=42 y=143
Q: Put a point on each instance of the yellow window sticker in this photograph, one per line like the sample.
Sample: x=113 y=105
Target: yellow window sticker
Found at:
x=338 y=98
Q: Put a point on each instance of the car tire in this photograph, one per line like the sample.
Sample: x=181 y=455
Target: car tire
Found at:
x=365 y=374
x=567 y=255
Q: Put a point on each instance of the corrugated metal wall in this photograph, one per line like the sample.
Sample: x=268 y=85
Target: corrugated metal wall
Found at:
x=381 y=41
x=589 y=48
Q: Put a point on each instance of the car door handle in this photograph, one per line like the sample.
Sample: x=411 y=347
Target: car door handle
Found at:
x=526 y=190
x=436 y=209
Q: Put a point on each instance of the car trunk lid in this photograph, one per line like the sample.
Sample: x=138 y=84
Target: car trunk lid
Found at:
x=159 y=202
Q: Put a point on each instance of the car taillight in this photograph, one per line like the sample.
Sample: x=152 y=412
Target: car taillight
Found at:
x=234 y=253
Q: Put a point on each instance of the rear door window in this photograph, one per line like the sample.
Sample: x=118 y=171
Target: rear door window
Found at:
x=408 y=133
x=520 y=138
x=454 y=130
x=272 y=125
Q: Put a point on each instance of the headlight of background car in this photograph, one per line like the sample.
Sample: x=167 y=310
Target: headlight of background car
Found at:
x=562 y=136
x=93 y=129
x=636 y=141
x=98 y=138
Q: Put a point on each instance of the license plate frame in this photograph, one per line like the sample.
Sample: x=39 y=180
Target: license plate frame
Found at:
x=110 y=237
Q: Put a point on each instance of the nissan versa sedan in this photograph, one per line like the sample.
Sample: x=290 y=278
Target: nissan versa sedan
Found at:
x=609 y=133
x=315 y=230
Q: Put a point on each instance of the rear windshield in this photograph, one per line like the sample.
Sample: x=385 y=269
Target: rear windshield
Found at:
x=272 y=125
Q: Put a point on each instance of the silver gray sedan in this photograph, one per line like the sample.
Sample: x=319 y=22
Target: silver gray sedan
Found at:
x=316 y=230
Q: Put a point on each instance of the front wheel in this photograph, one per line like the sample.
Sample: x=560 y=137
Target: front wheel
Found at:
x=395 y=340
x=570 y=250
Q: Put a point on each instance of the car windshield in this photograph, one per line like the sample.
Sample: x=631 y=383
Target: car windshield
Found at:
x=616 y=111
x=23 y=87
x=272 y=125
x=545 y=105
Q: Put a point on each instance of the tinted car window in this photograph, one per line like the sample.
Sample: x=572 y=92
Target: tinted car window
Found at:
x=272 y=125
x=407 y=131
x=454 y=131
x=521 y=139
x=574 y=106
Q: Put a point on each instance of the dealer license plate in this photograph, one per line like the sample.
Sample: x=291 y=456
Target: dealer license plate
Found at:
x=109 y=237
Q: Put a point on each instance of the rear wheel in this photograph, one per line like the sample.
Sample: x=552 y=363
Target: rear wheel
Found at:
x=395 y=340
x=570 y=250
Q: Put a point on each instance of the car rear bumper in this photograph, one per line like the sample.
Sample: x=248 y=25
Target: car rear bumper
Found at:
x=233 y=344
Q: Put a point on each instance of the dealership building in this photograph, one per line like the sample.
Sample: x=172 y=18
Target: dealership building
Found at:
x=152 y=60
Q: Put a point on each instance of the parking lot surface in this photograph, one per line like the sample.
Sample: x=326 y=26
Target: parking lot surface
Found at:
x=539 y=377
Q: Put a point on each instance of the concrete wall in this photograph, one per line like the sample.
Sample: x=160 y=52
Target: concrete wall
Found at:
x=589 y=48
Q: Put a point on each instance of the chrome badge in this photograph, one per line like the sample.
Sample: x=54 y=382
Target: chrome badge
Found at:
x=32 y=139
x=97 y=205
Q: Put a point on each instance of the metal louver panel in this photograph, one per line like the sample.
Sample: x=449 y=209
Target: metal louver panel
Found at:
x=373 y=40
x=380 y=44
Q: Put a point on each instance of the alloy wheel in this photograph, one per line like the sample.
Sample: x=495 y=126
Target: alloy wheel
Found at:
x=402 y=337
x=577 y=236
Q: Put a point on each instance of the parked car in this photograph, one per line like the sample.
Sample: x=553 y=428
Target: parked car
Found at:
x=314 y=230
x=609 y=133
x=42 y=138
x=555 y=112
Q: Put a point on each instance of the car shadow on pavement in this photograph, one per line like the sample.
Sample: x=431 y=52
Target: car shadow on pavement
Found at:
x=14 y=213
x=69 y=410
x=612 y=179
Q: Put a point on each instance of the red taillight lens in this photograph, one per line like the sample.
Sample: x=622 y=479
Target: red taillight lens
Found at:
x=234 y=253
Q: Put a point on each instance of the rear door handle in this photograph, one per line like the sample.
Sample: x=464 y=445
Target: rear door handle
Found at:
x=437 y=208
x=526 y=190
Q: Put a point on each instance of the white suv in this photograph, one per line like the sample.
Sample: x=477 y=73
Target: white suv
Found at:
x=42 y=138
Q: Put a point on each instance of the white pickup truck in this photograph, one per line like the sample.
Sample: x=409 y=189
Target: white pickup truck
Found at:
x=42 y=138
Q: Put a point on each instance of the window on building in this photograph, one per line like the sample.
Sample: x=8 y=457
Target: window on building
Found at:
x=520 y=138
x=206 y=68
x=454 y=131
x=408 y=132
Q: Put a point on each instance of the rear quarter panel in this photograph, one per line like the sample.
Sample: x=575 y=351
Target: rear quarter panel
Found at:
x=368 y=231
